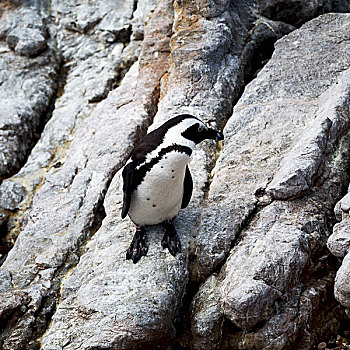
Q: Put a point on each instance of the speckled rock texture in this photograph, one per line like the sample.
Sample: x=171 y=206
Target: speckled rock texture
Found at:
x=81 y=82
x=339 y=244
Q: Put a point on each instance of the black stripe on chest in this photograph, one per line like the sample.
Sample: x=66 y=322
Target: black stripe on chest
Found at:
x=140 y=173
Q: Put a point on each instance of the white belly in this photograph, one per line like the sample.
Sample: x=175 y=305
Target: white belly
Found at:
x=158 y=198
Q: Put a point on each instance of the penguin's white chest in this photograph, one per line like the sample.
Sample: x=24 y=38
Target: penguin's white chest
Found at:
x=158 y=198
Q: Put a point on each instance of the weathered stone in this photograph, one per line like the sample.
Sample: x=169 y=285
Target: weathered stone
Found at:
x=23 y=17
x=10 y=302
x=300 y=165
x=11 y=195
x=272 y=105
x=66 y=283
x=140 y=16
x=342 y=283
x=339 y=242
x=281 y=241
x=294 y=11
x=316 y=307
x=71 y=194
x=169 y=105
x=91 y=70
x=26 y=42
x=206 y=316
x=27 y=86
x=143 y=312
x=3 y=219
x=342 y=208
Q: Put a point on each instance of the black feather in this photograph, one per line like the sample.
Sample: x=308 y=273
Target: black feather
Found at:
x=128 y=178
x=152 y=140
x=188 y=188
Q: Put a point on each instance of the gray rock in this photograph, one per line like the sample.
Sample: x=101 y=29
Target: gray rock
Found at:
x=22 y=18
x=144 y=301
x=339 y=242
x=66 y=283
x=11 y=195
x=345 y=203
x=279 y=240
x=280 y=331
x=281 y=101
x=140 y=16
x=342 y=283
x=76 y=286
x=294 y=11
x=206 y=316
x=71 y=194
x=91 y=70
x=26 y=42
x=300 y=165
x=27 y=87
x=3 y=219
x=342 y=207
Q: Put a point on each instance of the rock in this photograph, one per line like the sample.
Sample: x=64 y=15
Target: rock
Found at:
x=301 y=164
x=255 y=231
x=3 y=219
x=342 y=283
x=280 y=239
x=299 y=167
x=280 y=329
x=206 y=316
x=161 y=291
x=295 y=12
x=21 y=18
x=27 y=87
x=11 y=195
x=26 y=42
x=252 y=154
x=85 y=173
x=90 y=72
x=339 y=242
x=342 y=207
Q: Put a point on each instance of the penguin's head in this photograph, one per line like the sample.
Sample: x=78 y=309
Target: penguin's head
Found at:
x=197 y=131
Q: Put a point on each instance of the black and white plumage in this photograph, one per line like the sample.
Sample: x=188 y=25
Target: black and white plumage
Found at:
x=158 y=182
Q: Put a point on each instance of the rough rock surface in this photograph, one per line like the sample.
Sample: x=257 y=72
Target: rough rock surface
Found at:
x=91 y=77
x=309 y=110
x=339 y=244
x=27 y=86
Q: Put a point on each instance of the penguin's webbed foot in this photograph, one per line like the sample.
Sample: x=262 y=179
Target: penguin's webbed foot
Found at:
x=138 y=246
x=171 y=239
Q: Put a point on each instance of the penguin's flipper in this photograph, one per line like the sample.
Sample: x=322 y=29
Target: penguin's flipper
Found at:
x=188 y=188
x=128 y=176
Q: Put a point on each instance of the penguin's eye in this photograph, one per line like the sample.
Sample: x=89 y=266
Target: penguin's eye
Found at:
x=200 y=128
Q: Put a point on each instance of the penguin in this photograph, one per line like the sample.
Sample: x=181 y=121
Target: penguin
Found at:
x=157 y=182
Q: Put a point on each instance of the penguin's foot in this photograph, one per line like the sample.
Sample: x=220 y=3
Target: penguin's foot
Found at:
x=170 y=239
x=138 y=246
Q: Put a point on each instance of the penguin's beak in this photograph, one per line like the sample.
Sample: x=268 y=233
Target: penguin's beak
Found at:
x=214 y=135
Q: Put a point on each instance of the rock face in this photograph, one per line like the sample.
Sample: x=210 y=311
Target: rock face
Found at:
x=339 y=244
x=27 y=86
x=82 y=82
